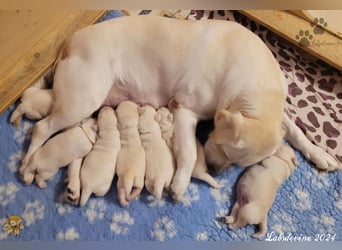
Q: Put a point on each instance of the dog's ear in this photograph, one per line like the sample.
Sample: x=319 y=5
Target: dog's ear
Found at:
x=229 y=124
x=229 y=120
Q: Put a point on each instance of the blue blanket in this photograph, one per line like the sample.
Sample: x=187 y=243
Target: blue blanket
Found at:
x=307 y=205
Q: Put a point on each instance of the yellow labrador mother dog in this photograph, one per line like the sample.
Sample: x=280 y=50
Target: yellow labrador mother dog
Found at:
x=208 y=67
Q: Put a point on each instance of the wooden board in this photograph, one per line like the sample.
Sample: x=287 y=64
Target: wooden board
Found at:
x=326 y=46
x=29 y=43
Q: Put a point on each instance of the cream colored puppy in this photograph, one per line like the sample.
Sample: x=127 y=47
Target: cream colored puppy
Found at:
x=160 y=164
x=257 y=188
x=35 y=104
x=200 y=171
x=131 y=161
x=59 y=151
x=98 y=169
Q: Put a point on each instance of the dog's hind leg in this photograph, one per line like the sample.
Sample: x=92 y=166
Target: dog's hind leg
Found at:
x=79 y=91
x=262 y=229
x=318 y=156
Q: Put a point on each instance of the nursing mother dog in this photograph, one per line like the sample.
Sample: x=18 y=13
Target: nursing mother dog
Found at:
x=203 y=68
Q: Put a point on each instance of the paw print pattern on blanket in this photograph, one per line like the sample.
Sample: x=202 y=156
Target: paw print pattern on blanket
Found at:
x=69 y=234
x=7 y=193
x=121 y=222
x=163 y=229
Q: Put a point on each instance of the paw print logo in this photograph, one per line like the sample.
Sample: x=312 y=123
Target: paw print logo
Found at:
x=304 y=38
x=14 y=225
x=319 y=24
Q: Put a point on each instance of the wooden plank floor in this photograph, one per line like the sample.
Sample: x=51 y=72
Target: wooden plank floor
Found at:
x=29 y=43
x=326 y=46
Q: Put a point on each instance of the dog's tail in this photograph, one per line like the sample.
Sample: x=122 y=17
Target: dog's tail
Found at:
x=85 y=194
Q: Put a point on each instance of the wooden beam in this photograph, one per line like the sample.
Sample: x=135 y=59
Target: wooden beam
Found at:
x=30 y=41
x=326 y=46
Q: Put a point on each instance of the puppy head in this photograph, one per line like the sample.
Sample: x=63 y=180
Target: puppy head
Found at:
x=127 y=114
x=165 y=119
x=147 y=122
x=106 y=119
x=240 y=140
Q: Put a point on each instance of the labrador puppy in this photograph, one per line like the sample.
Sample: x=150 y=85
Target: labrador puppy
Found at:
x=59 y=151
x=257 y=188
x=160 y=164
x=131 y=161
x=98 y=169
x=35 y=104
x=210 y=68
x=200 y=171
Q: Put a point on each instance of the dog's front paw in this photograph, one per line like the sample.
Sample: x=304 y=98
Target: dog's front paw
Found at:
x=72 y=194
x=179 y=185
x=323 y=160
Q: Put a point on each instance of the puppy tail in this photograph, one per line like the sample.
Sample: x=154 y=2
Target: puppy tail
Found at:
x=16 y=116
x=158 y=189
x=86 y=192
x=208 y=179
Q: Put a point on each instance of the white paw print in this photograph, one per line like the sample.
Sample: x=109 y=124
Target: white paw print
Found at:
x=33 y=211
x=190 y=195
x=14 y=161
x=96 y=210
x=120 y=223
x=7 y=193
x=163 y=228
x=70 y=234
x=23 y=132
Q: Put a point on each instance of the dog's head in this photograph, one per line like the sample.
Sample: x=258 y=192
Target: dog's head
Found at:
x=127 y=114
x=241 y=140
x=147 y=122
x=106 y=119
x=165 y=119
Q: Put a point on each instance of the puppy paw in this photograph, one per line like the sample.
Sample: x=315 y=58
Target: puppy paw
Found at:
x=227 y=219
x=122 y=197
x=258 y=235
x=26 y=177
x=40 y=182
x=72 y=194
x=233 y=226
x=323 y=160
